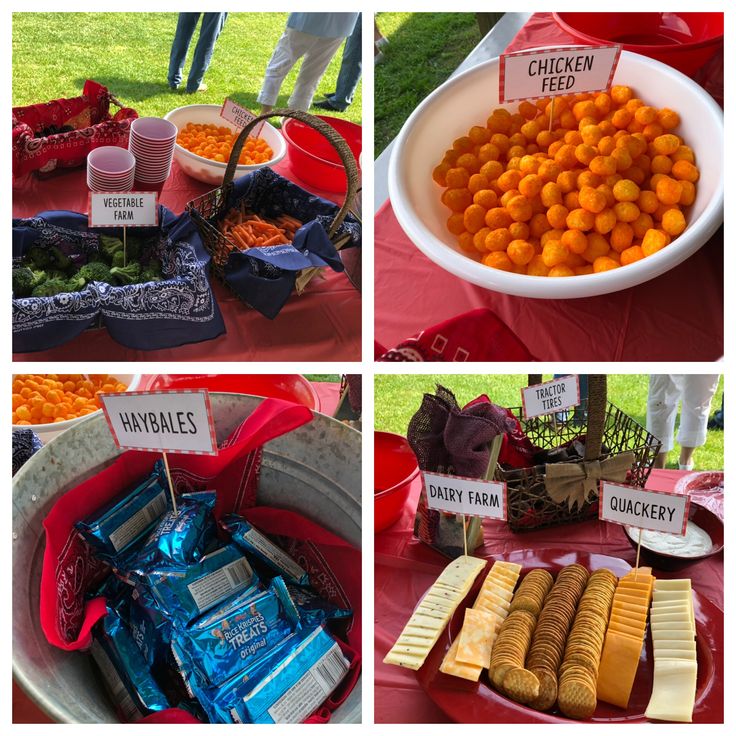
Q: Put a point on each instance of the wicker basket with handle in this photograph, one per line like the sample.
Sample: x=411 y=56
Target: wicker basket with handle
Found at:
x=208 y=209
x=608 y=433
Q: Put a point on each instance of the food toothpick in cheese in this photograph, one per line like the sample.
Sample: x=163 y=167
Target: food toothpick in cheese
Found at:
x=433 y=613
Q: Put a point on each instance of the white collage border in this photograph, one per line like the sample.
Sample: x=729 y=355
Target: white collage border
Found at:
x=366 y=366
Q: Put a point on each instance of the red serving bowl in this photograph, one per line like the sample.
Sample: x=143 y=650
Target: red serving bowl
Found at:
x=312 y=157
x=685 y=41
x=394 y=469
x=294 y=388
x=701 y=516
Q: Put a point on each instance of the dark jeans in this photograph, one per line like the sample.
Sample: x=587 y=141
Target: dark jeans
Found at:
x=212 y=24
x=351 y=68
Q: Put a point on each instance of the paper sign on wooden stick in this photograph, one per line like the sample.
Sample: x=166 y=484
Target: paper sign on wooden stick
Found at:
x=530 y=75
x=239 y=116
x=550 y=397
x=469 y=496
x=123 y=209
x=654 y=510
x=162 y=421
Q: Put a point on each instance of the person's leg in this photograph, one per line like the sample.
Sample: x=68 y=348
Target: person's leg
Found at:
x=289 y=48
x=212 y=24
x=697 y=393
x=316 y=60
x=350 y=69
x=661 y=413
x=185 y=26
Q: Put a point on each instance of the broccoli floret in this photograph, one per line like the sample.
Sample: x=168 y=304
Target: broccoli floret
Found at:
x=130 y=274
x=96 y=271
x=75 y=283
x=23 y=281
x=38 y=257
x=135 y=248
x=59 y=259
x=39 y=277
x=148 y=275
x=118 y=259
x=54 y=273
x=50 y=287
x=109 y=246
x=151 y=272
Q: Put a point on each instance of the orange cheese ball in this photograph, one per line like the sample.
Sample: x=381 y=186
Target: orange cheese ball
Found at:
x=48 y=399
x=673 y=222
x=216 y=143
x=607 y=183
x=653 y=241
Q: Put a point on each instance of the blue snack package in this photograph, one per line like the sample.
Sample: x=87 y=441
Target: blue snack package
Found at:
x=242 y=631
x=253 y=542
x=185 y=592
x=150 y=629
x=127 y=518
x=181 y=537
x=127 y=677
x=314 y=610
x=286 y=686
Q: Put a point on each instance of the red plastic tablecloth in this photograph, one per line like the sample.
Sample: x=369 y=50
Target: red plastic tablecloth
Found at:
x=678 y=316
x=405 y=568
x=24 y=709
x=321 y=324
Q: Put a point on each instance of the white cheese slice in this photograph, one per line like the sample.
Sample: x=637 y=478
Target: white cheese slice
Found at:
x=673 y=691
x=434 y=612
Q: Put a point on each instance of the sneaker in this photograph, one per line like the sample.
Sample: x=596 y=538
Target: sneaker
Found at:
x=327 y=105
x=381 y=43
x=379 y=58
x=202 y=88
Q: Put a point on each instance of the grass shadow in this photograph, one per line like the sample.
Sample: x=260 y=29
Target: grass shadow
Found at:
x=125 y=89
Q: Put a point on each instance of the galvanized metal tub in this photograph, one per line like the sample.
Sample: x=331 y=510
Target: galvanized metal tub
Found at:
x=314 y=470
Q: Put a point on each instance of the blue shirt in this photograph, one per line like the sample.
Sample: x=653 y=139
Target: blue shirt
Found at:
x=324 y=25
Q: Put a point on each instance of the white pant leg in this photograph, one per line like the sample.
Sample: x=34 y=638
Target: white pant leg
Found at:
x=290 y=47
x=662 y=401
x=697 y=393
x=316 y=60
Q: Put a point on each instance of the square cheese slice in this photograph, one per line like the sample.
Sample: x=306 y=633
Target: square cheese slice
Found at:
x=673 y=691
x=476 y=638
x=450 y=666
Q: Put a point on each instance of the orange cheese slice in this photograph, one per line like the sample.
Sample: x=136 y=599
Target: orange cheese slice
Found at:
x=450 y=666
x=619 y=663
x=623 y=628
x=476 y=637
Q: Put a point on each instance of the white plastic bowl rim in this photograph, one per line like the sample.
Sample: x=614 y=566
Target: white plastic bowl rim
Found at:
x=278 y=155
x=698 y=231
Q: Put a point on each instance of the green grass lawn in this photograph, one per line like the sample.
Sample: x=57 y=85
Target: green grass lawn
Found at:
x=397 y=397
x=54 y=53
x=423 y=50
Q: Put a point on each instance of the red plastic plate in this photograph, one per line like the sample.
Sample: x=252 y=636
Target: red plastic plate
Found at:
x=470 y=702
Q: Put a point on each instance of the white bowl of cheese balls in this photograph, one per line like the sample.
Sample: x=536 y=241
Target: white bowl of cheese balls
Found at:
x=468 y=99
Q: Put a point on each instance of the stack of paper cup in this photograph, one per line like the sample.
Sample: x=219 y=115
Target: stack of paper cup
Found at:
x=110 y=169
x=152 y=143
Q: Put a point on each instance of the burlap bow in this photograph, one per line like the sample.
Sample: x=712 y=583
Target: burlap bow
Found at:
x=577 y=482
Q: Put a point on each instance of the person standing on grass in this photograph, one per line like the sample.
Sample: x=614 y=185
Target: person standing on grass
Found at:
x=695 y=392
x=349 y=75
x=314 y=36
x=212 y=24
